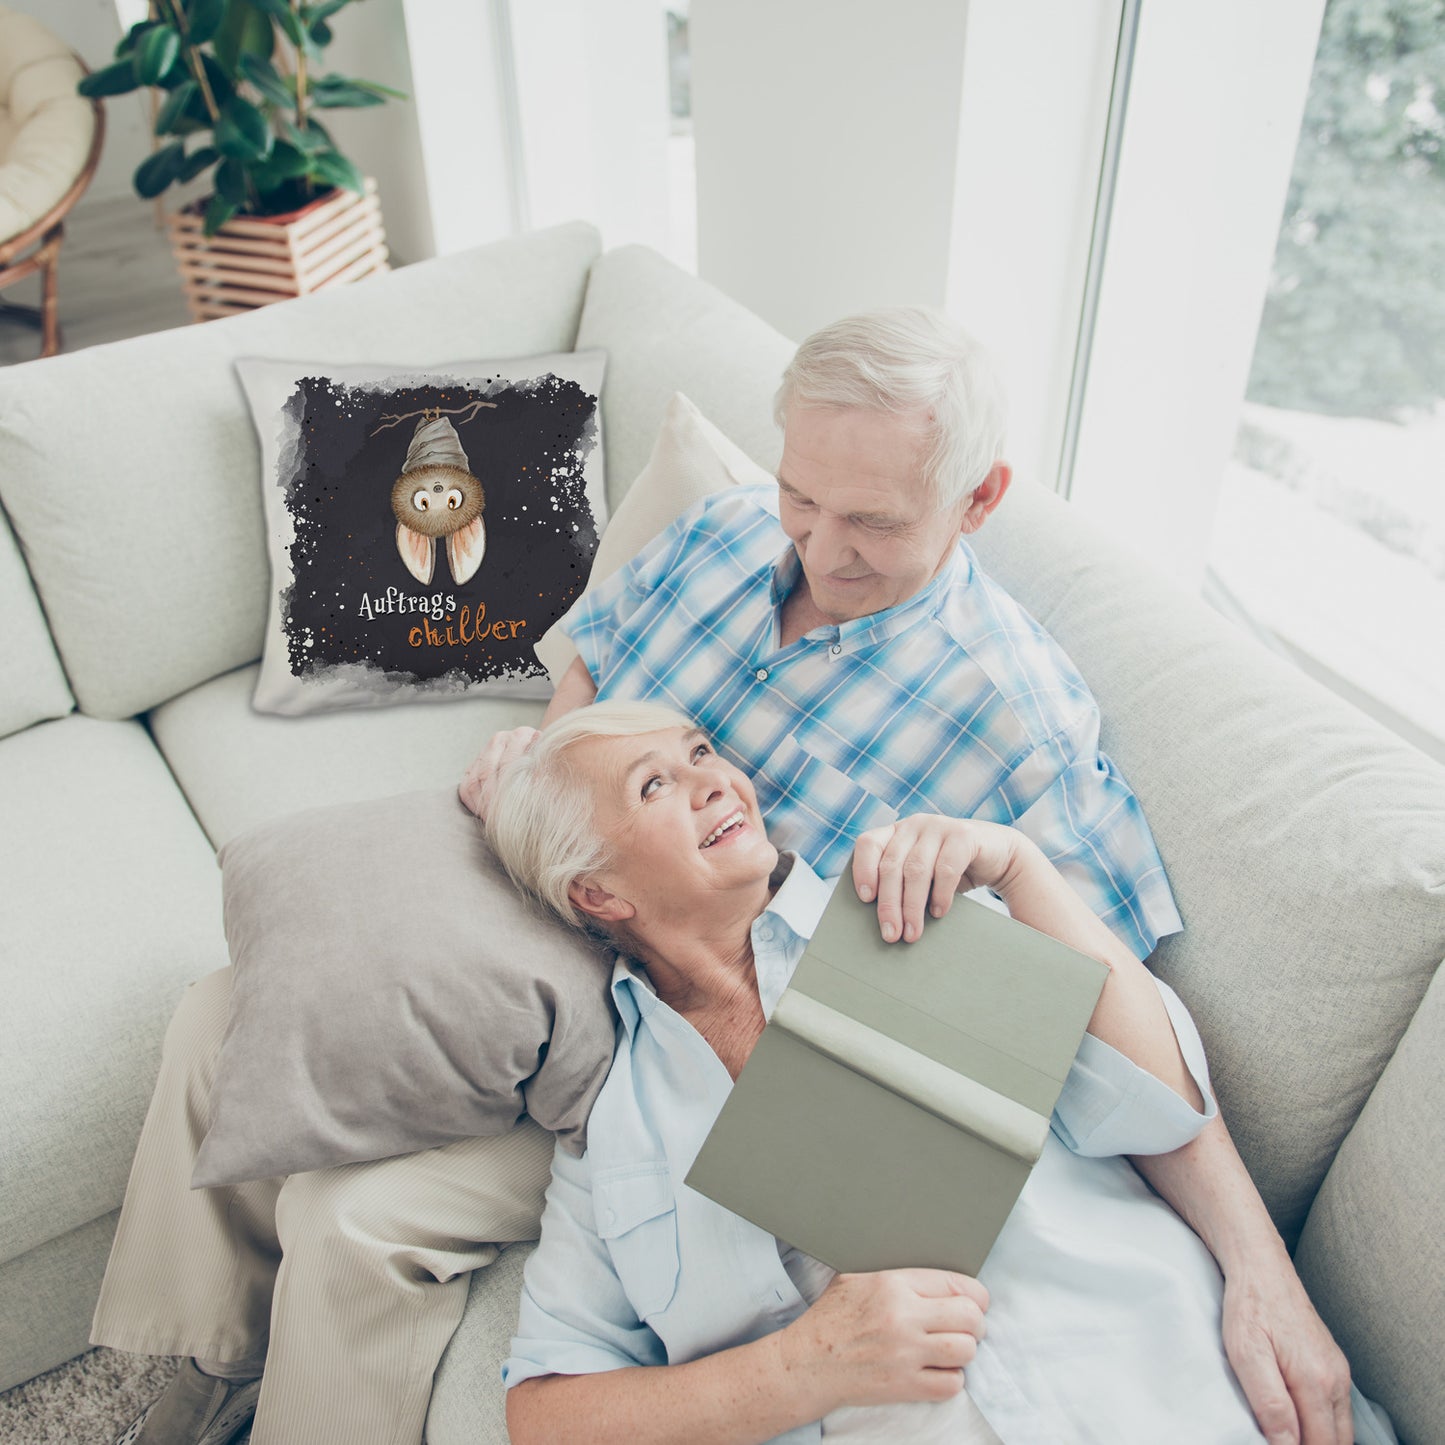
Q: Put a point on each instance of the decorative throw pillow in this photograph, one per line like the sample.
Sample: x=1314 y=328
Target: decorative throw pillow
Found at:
x=691 y=459
x=392 y=992
x=425 y=528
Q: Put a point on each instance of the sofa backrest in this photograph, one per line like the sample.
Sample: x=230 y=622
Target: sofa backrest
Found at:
x=32 y=682
x=131 y=472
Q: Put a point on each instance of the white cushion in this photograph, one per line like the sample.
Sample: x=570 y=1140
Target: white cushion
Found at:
x=110 y=906
x=129 y=471
x=32 y=682
x=239 y=767
x=691 y=459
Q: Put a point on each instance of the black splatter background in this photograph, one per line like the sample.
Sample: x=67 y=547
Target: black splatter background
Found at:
x=528 y=452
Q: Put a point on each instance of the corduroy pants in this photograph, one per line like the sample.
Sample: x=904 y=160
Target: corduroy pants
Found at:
x=350 y=1281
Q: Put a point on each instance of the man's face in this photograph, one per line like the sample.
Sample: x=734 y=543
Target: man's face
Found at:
x=853 y=501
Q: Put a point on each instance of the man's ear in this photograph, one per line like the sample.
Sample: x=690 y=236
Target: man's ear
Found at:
x=596 y=902
x=986 y=496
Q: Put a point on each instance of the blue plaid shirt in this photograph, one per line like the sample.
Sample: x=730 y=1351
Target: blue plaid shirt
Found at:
x=954 y=702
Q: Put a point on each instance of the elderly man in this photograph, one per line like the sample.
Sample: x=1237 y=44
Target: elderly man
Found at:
x=838 y=641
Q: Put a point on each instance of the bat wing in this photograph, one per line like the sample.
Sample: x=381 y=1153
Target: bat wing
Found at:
x=418 y=552
x=465 y=549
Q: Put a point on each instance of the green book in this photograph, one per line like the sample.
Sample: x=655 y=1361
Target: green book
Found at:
x=901 y=1093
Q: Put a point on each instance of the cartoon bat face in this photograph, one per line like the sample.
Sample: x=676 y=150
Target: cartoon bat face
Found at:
x=435 y=501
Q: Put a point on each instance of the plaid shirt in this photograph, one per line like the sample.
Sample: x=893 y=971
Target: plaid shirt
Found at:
x=954 y=702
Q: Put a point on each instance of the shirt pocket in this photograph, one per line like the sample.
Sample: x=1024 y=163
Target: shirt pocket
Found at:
x=636 y=1212
x=817 y=810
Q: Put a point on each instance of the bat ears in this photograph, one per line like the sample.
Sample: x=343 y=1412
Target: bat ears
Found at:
x=419 y=553
x=465 y=549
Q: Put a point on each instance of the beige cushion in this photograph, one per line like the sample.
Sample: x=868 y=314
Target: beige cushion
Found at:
x=326 y=481
x=110 y=905
x=1373 y=1250
x=393 y=992
x=691 y=459
x=46 y=134
x=238 y=767
x=32 y=682
x=1302 y=842
x=664 y=331
x=129 y=471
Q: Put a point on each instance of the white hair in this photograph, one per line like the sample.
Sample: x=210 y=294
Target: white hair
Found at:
x=908 y=360
x=542 y=820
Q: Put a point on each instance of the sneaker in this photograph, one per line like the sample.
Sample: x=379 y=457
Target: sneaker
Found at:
x=194 y=1409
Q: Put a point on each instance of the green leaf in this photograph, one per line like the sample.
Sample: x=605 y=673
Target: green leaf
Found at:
x=378 y=89
x=324 y=11
x=285 y=17
x=218 y=212
x=231 y=182
x=333 y=168
x=244 y=31
x=174 y=108
x=157 y=52
x=197 y=161
x=312 y=140
x=242 y=132
x=287 y=162
x=333 y=92
x=278 y=89
x=320 y=35
x=157 y=171
x=117 y=79
x=203 y=19
x=131 y=38
x=222 y=85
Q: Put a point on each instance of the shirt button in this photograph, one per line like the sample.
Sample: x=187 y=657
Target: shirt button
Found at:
x=761 y=674
x=765 y=933
x=836 y=648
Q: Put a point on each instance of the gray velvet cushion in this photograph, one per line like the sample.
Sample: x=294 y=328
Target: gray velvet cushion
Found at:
x=392 y=992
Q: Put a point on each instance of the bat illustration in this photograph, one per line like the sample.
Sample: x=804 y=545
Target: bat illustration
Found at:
x=437 y=496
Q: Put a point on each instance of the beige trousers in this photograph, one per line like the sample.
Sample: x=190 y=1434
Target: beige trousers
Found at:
x=350 y=1281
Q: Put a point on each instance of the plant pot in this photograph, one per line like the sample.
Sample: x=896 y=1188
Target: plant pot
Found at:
x=255 y=260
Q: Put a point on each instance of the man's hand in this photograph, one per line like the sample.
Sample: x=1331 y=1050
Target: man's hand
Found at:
x=1295 y=1377
x=475 y=788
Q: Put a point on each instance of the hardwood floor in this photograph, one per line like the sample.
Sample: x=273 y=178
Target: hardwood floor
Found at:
x=117 y=279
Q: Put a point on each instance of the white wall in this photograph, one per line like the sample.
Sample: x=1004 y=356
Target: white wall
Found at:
x=827 y=147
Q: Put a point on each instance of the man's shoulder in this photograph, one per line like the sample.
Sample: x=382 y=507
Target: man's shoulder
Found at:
x=986 y=625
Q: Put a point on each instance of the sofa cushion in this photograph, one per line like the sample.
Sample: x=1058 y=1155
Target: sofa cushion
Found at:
x=239 y=767
x=1372 y=1254
x=111 y=905
x=32 y=682
x=1302 y=841
x=129 y=471
x=373 y=602
x=664 y=331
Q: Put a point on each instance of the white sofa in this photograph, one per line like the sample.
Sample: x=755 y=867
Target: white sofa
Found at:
x=1306 y=846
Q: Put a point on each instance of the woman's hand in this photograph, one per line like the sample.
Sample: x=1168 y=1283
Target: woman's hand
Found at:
x=900 y=1334
x=475 y=788
x=918 y=864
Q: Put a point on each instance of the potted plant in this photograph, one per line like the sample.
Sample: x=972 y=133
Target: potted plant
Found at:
x=240 y=84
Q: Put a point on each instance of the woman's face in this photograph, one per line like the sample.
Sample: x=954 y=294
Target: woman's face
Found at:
x=682 y=824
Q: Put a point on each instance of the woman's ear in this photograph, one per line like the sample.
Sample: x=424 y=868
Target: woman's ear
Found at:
x=596 y=902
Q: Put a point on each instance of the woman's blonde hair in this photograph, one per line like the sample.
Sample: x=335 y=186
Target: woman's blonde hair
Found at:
x=542 y=820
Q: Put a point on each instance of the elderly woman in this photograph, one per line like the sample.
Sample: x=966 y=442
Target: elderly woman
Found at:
x=653 y=1314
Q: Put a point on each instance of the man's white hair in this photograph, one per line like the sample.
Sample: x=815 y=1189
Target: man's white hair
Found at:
x=542 y=820
x=908 y=360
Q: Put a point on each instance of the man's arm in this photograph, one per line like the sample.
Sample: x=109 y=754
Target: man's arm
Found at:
x=1295 y=1377
x=475 y=789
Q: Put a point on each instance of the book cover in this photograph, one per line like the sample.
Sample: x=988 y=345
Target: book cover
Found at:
x=900 y=1094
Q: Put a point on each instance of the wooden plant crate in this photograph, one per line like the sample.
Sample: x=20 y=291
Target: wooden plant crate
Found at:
x=255 y=260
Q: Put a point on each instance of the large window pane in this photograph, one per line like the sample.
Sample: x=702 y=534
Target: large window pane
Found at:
x=1330 y=531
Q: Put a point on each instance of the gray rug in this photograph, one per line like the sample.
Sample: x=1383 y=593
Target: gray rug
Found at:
x=86 y=1402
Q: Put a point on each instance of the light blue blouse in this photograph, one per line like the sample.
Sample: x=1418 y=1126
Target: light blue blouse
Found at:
x=1105 y=1316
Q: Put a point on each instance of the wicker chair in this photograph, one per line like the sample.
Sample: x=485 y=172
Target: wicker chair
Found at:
x=50 y=140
